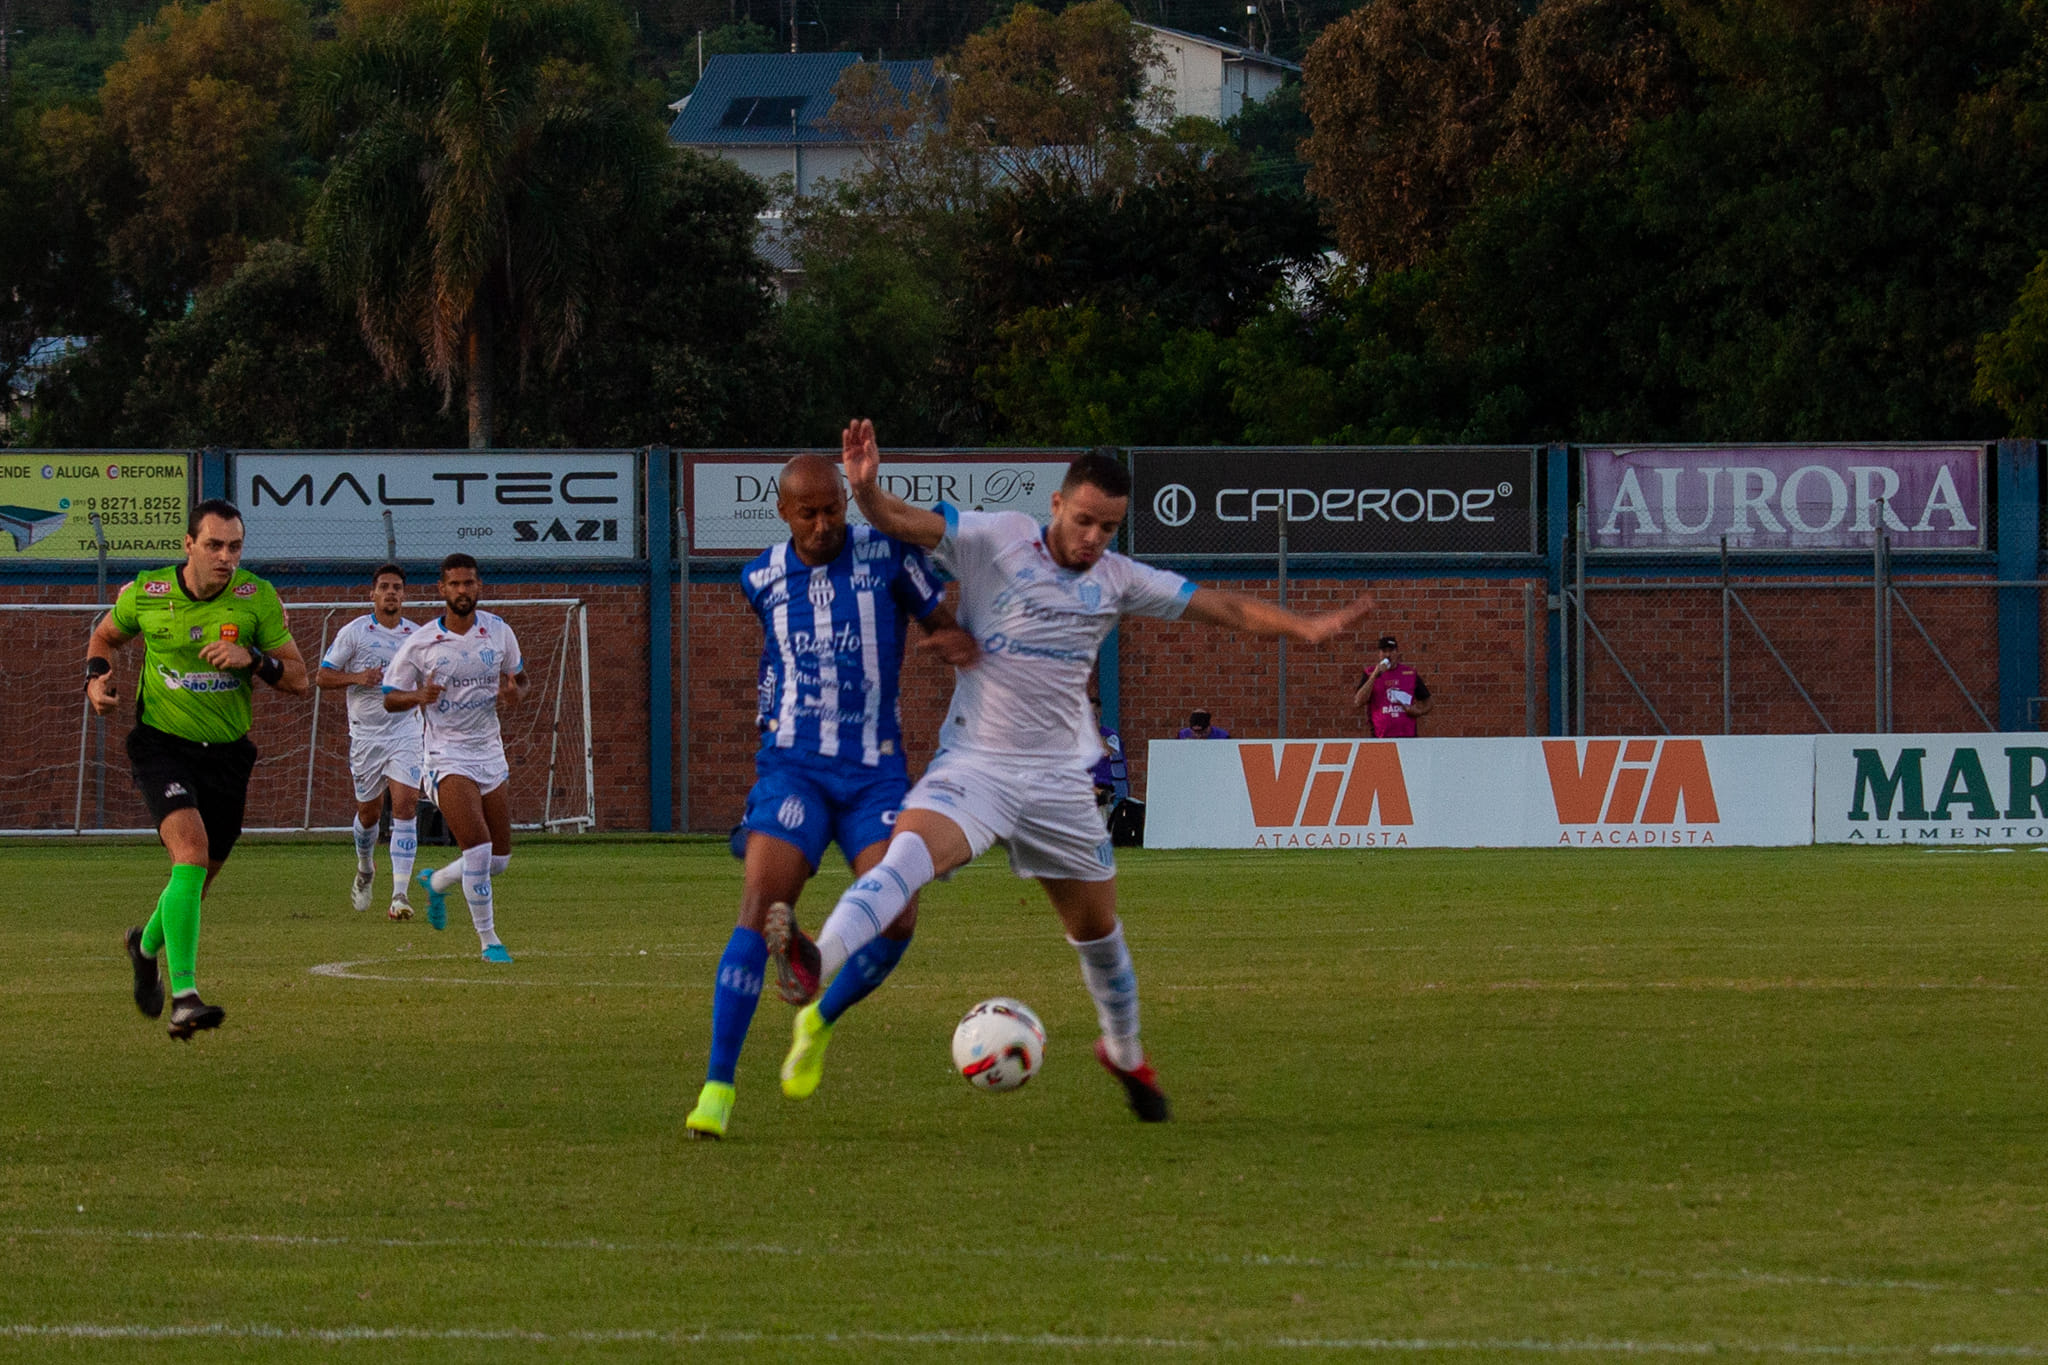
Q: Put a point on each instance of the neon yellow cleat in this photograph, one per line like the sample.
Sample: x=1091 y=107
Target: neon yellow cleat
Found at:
x=713 y=1111
x=804 y=1067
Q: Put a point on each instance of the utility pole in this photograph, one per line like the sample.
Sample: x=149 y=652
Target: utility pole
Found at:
x=792 y=25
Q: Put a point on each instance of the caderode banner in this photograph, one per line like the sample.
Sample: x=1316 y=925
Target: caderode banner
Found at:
x=1931 y=789
x=498 y=506
x=732 y=497
x=1785 y=497
x=1337 y=500
x=1480 y=793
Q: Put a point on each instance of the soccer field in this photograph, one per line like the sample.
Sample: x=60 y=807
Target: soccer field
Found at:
x=1460 y=1104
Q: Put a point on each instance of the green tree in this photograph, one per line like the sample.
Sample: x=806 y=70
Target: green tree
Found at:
x=486 y=154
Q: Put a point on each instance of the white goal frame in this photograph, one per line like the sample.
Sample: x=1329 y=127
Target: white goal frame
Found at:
x=575 y=618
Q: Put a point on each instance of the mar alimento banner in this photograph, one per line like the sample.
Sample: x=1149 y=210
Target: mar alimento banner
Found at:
x=1798 y=498
x=500 y=506
x=47 y=502
x=732 y=497
x=1337 y=501
x=1286 y=795
x=1930 y=789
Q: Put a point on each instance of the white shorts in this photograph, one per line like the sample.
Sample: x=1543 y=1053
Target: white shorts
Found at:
x=374 y=766
x=1046 y=816
x=489 y=774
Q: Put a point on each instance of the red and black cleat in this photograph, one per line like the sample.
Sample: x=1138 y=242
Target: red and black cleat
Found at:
x=796 y=956
x=1141 y=1086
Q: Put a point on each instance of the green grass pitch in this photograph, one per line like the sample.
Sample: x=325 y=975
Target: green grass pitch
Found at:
x=1452 y=1105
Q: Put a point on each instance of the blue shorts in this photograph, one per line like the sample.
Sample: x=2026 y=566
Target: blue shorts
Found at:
x=811 y=802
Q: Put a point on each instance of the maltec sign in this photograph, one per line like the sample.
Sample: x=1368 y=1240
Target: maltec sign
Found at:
x=497 y=506
x=1420 y=500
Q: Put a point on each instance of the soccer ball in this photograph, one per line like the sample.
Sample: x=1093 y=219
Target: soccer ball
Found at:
x=999 y=1044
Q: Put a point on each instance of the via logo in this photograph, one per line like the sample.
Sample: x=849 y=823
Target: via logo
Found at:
x=1630 y=782
x=1316 y=785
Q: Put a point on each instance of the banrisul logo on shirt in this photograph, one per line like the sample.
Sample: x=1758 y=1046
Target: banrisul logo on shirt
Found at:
x=1327 y=795
x=1637 y=791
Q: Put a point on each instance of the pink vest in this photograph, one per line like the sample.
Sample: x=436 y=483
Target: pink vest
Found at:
x=1391 y=691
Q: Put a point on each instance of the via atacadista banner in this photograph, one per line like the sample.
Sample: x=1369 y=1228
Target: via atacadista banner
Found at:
x=48 y=500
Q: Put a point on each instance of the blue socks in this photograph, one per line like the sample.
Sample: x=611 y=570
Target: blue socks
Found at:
x=864 y=971
x=733 y=998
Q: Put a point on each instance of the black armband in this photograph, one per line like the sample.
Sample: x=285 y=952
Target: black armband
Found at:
x=266 y=666
x=97 y=667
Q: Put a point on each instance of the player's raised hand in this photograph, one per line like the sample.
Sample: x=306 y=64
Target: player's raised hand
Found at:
x=859 y=454
x=954 y=645
x=1325 y=626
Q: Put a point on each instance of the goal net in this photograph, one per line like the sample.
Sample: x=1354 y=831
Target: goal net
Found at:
x=66 y=771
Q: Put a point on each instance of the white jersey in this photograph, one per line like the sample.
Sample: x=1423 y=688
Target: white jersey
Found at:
x=462 y=725
x=361 y=644
x=1039 y=627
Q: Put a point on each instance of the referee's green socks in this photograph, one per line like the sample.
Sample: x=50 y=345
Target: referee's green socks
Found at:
x=176 y=924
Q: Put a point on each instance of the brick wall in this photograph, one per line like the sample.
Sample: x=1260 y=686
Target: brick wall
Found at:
x=1466 y=636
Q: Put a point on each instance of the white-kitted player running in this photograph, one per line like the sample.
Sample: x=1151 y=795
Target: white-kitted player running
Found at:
x=383 y=746
x=459 y=669
x=1019 y=739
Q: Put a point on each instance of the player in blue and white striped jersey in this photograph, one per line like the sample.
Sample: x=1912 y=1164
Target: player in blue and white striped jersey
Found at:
x=835 y=604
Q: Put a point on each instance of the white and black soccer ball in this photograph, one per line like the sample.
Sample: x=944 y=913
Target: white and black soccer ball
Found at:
x=999 y=1045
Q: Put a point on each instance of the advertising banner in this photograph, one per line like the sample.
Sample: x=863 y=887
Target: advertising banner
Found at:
x=1748 y=790
x=1337 y=501
x=500 y=505
x=1930 y=789
x=48 y=499
x=1785 y=498
x=732 y=497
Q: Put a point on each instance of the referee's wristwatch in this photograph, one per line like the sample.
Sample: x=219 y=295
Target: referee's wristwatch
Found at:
x=96 y=668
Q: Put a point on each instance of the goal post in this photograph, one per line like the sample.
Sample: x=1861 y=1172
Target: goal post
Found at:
x=66 y=771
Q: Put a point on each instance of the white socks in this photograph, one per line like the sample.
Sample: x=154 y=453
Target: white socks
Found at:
x=476 y=889
x=1113 y=981
x=870 y=904
x=405 y=843
x=366 y=846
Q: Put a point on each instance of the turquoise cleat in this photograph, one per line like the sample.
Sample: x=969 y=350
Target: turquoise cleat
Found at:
x=497 y=952
x=437 y=901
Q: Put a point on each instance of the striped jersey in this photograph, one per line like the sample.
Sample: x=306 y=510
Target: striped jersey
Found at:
x=832 y=645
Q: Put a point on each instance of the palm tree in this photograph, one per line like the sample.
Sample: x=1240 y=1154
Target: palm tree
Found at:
x=484 y=155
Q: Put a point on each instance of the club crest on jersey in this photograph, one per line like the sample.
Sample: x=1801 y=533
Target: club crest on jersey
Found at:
x=246 y=590
x=791 y=813
x=157 y=589
x=197 y=633
x=822 y=592
x=1090 y=594
x=487 y=656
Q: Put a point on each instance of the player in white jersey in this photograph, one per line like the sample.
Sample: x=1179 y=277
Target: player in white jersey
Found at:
x=383 y=748
x=1018 y=740
x=459 y=669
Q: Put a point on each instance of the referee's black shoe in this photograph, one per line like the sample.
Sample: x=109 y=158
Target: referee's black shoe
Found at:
x=189 y=1014
x=149 y=983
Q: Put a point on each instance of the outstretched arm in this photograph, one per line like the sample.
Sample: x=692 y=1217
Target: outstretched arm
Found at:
x=1255 y=616
x=889 y=514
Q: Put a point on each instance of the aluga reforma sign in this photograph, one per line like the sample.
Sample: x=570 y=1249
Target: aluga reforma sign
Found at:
x=731 y=498
x=531 y=506
x=49 y=498
x=1785 y=497
x=1336 y=500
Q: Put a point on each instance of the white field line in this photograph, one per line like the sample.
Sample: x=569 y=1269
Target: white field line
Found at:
x=352 y=970
x=1061 y=1255
x=685 y=1336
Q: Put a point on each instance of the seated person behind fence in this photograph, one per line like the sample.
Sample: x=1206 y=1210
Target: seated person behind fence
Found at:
x=1112 y=775
x=1393 y=694
x=1198 y=727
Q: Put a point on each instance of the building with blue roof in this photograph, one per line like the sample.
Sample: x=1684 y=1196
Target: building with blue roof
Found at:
x=771 y=114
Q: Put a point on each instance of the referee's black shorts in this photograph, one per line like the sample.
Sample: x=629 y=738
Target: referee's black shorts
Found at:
x=173 y=773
